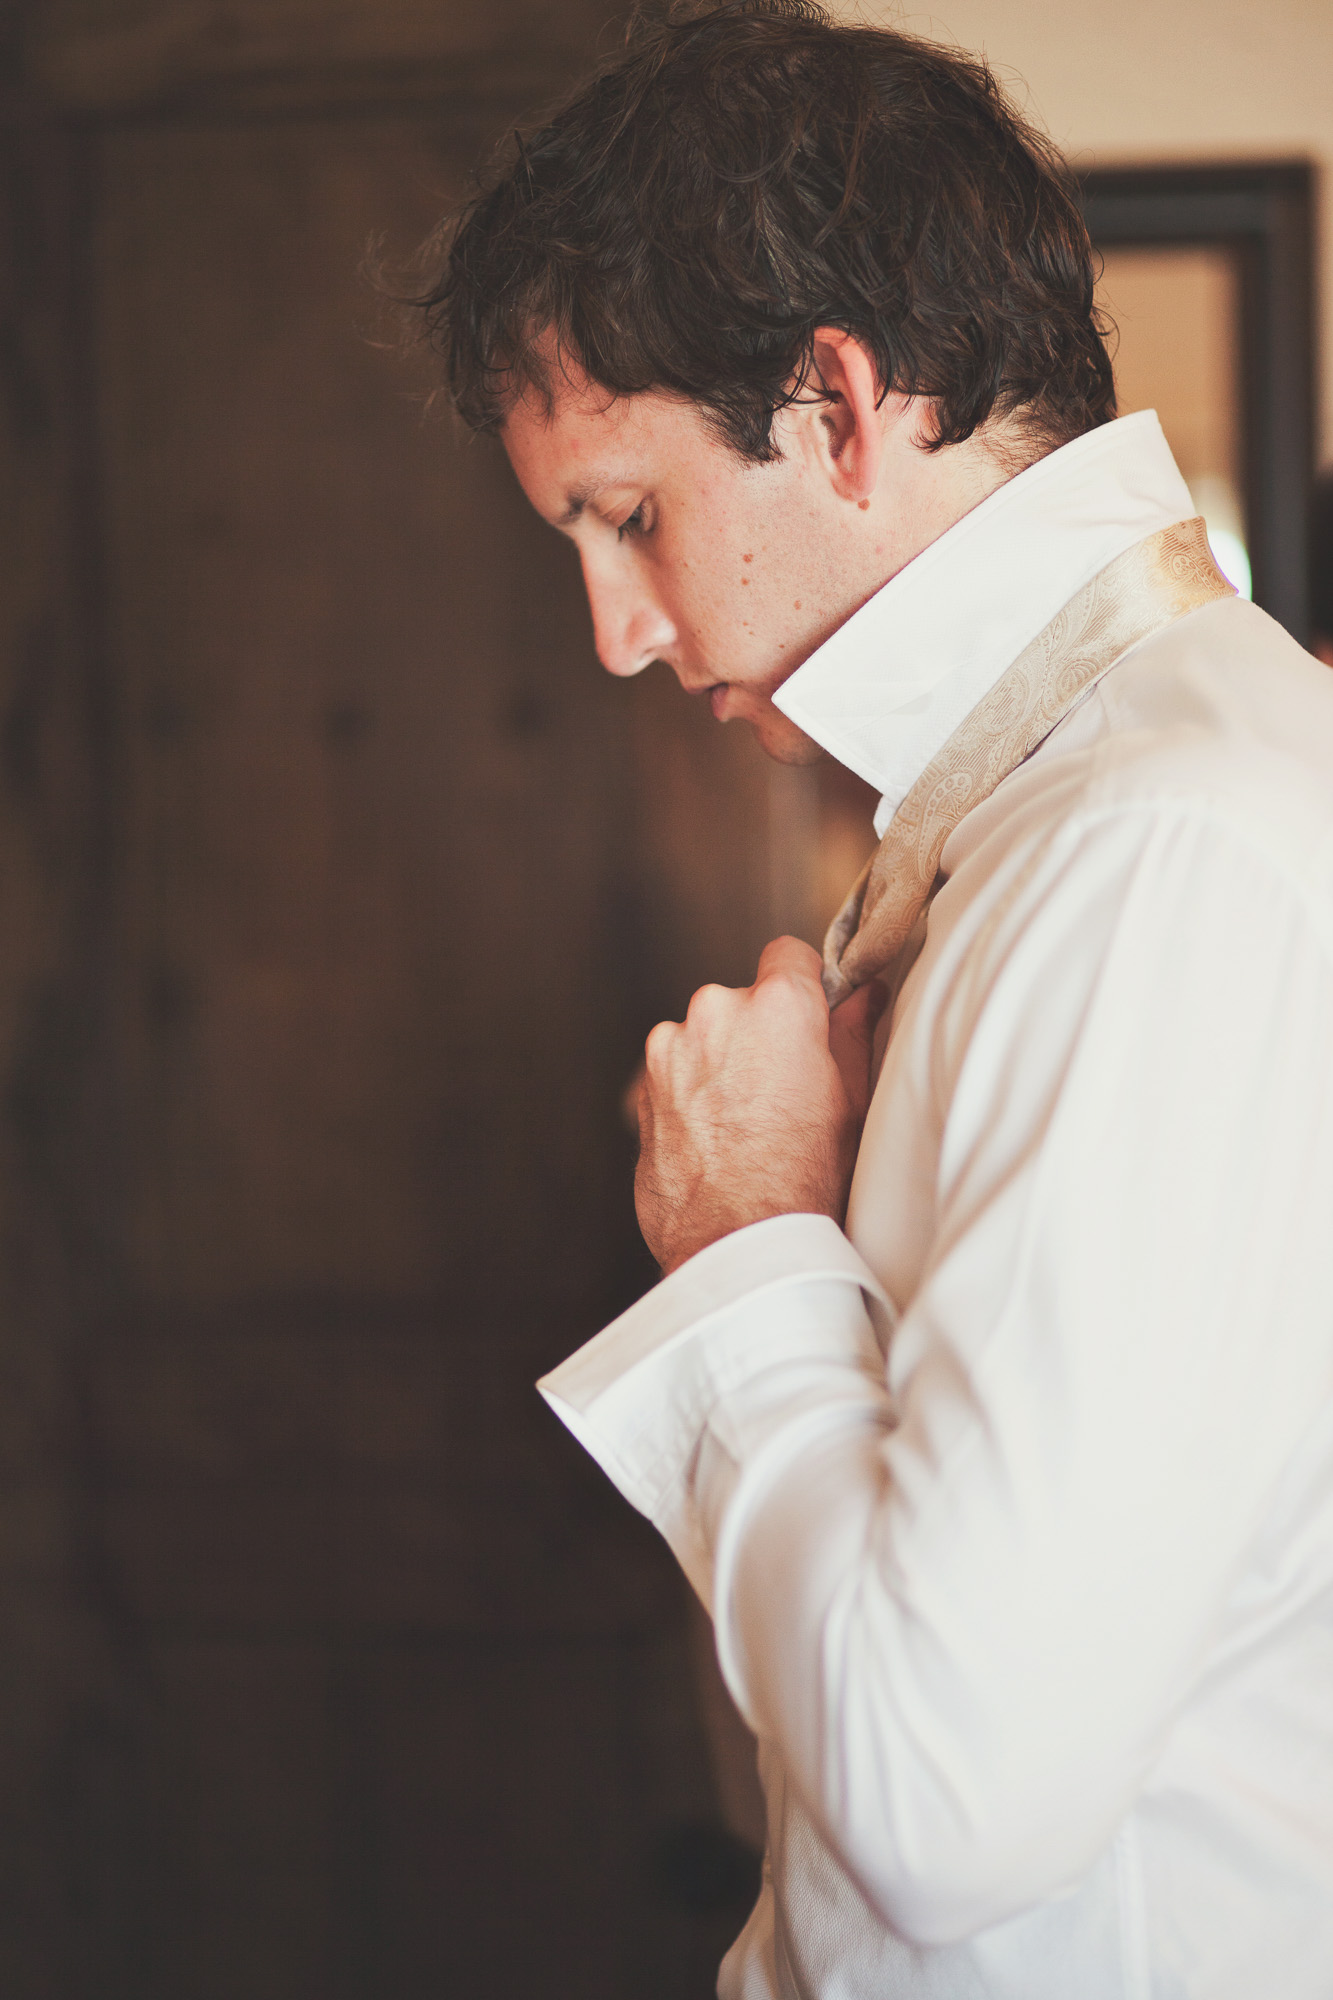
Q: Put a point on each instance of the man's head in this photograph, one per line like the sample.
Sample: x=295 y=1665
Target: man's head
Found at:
x=759 y=313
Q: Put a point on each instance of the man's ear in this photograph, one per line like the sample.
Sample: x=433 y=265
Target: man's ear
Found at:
x=852 y=420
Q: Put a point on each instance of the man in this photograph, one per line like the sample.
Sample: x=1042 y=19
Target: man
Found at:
x=989 y=1410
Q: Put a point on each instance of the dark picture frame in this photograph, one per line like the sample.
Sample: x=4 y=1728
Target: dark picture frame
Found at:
x=1263 y=214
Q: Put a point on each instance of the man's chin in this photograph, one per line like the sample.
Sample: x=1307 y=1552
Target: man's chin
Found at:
x=781 y=740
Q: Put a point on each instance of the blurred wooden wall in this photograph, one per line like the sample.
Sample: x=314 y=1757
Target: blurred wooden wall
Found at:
x=337 y=888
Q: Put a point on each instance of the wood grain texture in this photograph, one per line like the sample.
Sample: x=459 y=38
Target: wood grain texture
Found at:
x=399 y=880
x=371 y=796
x=340 y=888
x=68 y=1804
x=134 y=55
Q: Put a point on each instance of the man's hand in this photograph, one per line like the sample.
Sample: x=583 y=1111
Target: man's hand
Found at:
x=753 y=1106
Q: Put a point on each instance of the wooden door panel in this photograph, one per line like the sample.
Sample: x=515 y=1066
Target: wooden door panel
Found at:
x=370 y=781
x=396 y=881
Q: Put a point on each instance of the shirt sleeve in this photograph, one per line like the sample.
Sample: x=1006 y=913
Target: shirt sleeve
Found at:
x=680 y=1392
x=965 y=1594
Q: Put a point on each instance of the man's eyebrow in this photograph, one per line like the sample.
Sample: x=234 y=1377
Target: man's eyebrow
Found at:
x=578 y=497
x=576 y=500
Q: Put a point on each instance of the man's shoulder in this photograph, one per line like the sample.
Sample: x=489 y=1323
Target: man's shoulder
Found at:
x=1209 y=747
x=1222 y=717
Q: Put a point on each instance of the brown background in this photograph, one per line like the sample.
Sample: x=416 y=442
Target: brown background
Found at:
x=337 y=889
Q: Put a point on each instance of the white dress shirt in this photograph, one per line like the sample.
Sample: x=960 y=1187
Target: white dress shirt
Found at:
x=1013 y=1502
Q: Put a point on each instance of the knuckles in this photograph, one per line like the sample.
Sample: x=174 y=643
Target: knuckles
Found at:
x=789 y=957
x=709 y=1005
x=782 y=1014
x=657 y=1048
x=744 y=1112
x=791 y=997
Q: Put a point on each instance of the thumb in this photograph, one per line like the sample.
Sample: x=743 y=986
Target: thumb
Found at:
x=851 y=1038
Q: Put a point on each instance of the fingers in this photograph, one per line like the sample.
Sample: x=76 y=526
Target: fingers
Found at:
x=789 y=972
x=788 y=957
x=851 y=1040
x=744 y=1112
x=707 y=1004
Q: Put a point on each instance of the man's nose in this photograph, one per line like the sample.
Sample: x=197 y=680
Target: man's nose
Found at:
x=630 y=629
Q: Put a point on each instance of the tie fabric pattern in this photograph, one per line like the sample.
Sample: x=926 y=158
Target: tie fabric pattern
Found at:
x=1142 y=591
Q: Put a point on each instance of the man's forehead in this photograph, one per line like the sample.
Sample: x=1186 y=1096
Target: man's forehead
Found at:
x=563 y=482
x=582 y=444
x=558 y=396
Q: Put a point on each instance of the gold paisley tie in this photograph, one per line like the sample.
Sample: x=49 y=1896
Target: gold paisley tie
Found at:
x=1141 y=592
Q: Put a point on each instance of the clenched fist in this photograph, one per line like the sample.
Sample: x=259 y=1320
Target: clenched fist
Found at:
x=752 y=1106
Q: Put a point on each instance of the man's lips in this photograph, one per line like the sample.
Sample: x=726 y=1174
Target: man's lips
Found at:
x=725 y=700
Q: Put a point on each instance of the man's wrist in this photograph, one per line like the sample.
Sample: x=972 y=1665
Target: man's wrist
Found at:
x=682 y=1245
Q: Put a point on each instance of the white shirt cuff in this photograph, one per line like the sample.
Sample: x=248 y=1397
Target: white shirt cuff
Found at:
x=664 y=1379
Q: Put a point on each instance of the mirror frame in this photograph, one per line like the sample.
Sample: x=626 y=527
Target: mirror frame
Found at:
x=1263 y=212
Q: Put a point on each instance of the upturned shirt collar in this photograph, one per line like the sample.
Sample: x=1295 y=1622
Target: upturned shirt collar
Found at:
x=889 y=688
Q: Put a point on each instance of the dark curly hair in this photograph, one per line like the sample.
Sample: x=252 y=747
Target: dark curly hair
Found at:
x=736 y=178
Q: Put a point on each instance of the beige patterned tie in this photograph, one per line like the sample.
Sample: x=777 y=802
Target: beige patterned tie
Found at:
x=1141 y=592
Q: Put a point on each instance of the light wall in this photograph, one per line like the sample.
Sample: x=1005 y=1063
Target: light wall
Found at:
x=1142 y=80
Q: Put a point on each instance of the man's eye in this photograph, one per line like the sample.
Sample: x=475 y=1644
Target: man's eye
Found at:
x=634 y=525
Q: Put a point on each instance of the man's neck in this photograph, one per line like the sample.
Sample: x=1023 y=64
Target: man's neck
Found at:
x=893 y=682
